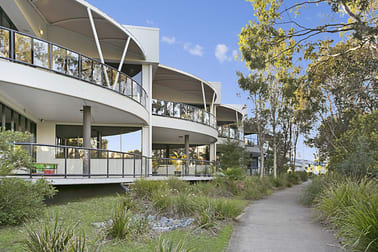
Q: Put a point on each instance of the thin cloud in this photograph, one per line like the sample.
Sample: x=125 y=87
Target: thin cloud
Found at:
x=195 y=50
x=169 y=40
x=221 y=51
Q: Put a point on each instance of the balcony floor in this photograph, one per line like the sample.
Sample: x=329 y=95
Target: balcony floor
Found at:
x=104 y=180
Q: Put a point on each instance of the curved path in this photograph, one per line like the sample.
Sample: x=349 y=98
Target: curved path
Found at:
x=280 y=223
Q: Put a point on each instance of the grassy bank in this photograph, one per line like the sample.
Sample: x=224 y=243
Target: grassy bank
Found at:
x=212 y=205
x=350 y=206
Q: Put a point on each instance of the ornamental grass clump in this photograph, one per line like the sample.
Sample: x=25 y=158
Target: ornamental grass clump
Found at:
x=53 y=236
x=144 y=188
x=351 y=206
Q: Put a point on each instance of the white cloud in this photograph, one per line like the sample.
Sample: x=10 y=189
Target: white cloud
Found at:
x=195 y=50
x=221 y=53
x=169 y=40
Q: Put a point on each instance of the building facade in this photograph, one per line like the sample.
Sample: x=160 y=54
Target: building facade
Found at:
x=80 y=82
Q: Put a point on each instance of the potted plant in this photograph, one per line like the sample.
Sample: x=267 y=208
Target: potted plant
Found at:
x=177 y=162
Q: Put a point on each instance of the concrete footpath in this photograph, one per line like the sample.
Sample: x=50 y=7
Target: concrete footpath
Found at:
x=280 y=223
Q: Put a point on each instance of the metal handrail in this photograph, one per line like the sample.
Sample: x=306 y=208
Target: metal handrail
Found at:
x=104 y=67
x=211 y=121
x=142 y=171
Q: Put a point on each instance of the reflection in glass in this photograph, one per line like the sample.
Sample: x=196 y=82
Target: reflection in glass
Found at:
x=122 y=83
x=196 y=114
x=59 y=59
x=136 y=91
x=206 y=117
x=97 y=73
x=220 y=128
x=129 y=87
x=86 y=68
x=170 y=111
x=72 y=63
x=160 y=107
x=154 y=106
x=4 y=43
x=108 y=78
x=225 y=132
x=232 y=133
x=22 y=47
x=41 y=53
x=176 y=110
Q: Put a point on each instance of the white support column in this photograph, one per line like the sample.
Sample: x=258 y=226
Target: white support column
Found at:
x=97 y=43
x=121 y=62
x=147 y=129
x=203 y=96
x=213 y=152
x=237 y=118
x=212 y=104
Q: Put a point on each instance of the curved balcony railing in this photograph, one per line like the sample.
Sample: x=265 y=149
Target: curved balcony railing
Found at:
x=231 y=131
x=183 y=111
x=22 y=48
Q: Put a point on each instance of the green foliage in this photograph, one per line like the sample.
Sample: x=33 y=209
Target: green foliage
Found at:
x=54 y=236
x=144 y=188
x=20 y=200
x=234 y=173
x=312 y=191
x=177 y=184
x=303 y=176
x=293 y=178
x=124 y=225
x=352 y=207
x=13 y=157
x=167 y=245
x=356 y=152
x=232 y=155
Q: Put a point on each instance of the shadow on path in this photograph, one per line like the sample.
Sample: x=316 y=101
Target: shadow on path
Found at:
x=280 y=223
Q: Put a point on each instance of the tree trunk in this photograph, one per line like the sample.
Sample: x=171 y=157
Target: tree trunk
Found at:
x=274 y=146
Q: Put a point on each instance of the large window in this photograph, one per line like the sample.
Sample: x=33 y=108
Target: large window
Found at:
x=11 y=120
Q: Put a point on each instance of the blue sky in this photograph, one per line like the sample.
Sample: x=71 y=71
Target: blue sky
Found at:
x=201 y=37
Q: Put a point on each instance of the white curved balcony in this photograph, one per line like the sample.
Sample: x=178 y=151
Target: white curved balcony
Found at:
x=28 y=50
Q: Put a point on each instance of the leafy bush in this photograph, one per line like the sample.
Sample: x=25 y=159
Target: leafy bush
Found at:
x=312 y=191
x=234 y=173
x=21 y=199
x=13 y=157
x=293 y=178
x=302 y=175
x=53 y=236
x=144 y=188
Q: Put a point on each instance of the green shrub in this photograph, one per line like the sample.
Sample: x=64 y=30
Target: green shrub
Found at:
x=351 y=206
x=177 y=184
x=293 y=178
x=312 y=191
x=302 y=175
x=20 y=199
x=227 y=208
x=161 y=200
x=144 y=188
x=235 y=173
x=53 y=236
x=183 y=204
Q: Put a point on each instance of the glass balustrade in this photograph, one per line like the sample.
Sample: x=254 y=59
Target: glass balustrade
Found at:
x=22 y=48
x=183 y=111
x=231 y=131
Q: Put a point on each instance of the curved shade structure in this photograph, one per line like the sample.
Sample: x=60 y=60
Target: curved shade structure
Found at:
x=72 y=15
x=178 y=86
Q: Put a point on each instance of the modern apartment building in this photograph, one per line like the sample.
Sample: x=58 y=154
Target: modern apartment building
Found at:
x=80 y=82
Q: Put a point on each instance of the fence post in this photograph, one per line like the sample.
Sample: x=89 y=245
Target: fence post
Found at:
x=123 y=165
x=31 y=170
x=134 y=166
x=107 y=164
x=89 y=163
x=65 y=162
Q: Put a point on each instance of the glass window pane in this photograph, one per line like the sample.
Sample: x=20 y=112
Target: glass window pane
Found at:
x=206 y=118
x=154 y=106
x=196 y=114
x=232 y=133
x=72 y=63
x=4 y=43
x=122 y=83
x=59 y=56
x=97 y=73
x=136 y=91
x=22 y=48
x=160 y=107
x=128 y=87
x=41 y=53
x=86 y=69
x=170 y=109
x=177 y=110
x=108 y=78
